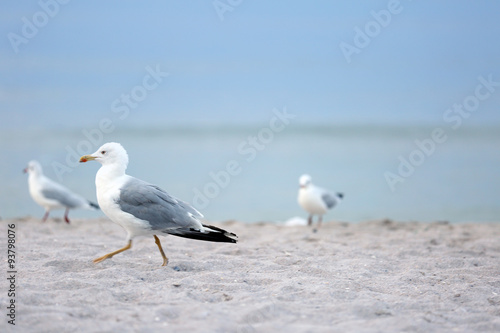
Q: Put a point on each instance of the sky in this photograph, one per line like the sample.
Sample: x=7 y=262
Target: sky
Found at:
x=68 y=64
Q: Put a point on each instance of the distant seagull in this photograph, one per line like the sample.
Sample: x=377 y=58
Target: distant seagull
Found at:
x=315 y=200
x=144 y=209
x=51 y=195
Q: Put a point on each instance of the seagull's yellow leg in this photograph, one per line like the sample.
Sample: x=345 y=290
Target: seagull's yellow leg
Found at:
x=110 y=255
x=165 y=259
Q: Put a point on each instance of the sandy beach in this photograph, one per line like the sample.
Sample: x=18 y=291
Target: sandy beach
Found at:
x=376 y=276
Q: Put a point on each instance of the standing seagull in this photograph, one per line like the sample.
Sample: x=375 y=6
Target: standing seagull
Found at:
x=315 y=200
x=142 y=208
x=51 y=195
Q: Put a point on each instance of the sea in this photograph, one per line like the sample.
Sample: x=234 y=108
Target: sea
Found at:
x=250 y=173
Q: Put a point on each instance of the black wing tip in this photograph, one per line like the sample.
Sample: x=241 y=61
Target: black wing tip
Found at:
x=214 y=235
x=340 y=195
x=94 y=205
x=227 y=236
x=225 y=232
x=230 y=240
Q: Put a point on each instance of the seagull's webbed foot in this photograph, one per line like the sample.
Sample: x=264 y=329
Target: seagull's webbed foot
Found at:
x=165 y=259
x=110 y=255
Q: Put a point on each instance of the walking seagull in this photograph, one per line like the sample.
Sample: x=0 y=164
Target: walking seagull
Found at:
x=315 y=200
x=144 y=209
x=51 y=195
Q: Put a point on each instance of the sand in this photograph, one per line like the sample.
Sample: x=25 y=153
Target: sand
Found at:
x=377 y=276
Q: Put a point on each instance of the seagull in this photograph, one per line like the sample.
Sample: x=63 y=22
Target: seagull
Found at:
x=144 y=209
x=51 y=195
x=315 y=200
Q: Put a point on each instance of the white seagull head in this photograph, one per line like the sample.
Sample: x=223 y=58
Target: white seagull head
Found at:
x=304 y=181
x=108 y=153
x=33 y=168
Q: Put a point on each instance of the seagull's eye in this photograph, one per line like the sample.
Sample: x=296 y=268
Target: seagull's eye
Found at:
x=103 y=152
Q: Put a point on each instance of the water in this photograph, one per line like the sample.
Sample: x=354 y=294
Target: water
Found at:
x=257 y=179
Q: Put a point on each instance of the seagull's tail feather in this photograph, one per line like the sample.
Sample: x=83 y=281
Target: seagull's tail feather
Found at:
x=211 y=234
x=93 y=205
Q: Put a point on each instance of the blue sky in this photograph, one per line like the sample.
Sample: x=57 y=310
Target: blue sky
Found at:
x=262 y=55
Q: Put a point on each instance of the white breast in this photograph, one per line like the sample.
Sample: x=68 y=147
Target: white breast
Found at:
x=35 y=186
x=108 y=194
x=310 y=200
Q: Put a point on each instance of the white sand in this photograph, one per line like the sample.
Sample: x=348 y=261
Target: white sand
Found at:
x=378 y=276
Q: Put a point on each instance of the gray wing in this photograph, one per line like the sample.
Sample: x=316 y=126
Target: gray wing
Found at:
x=329 y=199
x=59 y=193
x=150 y=203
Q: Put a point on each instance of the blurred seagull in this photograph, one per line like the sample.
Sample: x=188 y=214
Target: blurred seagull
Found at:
x=315 y=200
x=51 y=195
x=144 y=209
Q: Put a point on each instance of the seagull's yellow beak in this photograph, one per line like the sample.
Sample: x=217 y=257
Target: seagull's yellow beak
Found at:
x=86 y=158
